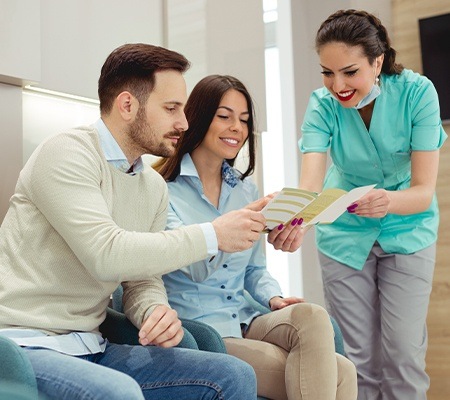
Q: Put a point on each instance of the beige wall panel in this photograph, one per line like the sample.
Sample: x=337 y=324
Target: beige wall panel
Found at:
x=405 y=16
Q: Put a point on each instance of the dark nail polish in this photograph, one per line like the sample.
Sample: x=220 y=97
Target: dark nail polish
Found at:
x=294 y=221
x=280 y=227
x=300 y=221
x=352 y=208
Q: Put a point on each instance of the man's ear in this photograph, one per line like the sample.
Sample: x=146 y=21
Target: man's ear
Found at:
x=127 y=105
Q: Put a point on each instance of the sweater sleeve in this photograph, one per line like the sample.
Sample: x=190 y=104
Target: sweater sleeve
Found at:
x=64 y=180
x=141 y=297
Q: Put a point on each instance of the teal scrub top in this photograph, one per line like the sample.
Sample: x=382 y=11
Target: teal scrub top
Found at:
x=405 y=118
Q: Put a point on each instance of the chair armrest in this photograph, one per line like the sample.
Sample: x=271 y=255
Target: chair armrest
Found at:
x=117 y=328
x=207 y=338
x=16 y=373
x=338 y=338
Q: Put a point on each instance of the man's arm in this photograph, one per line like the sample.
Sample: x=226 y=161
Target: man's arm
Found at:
x=65 y=180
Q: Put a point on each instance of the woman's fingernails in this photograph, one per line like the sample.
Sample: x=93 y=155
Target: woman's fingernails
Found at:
x=294 y=221
x=280 y=227
x=352 y=208
x=300 y=221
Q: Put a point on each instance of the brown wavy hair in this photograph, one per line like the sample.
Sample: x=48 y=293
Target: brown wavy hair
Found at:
x=200 y=109
x=360 y=28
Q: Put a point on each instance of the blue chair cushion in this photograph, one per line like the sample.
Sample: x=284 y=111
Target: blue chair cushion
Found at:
x=17 y=380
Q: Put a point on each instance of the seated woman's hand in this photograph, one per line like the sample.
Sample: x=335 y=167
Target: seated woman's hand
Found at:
x=277 y=302
x=287 y=238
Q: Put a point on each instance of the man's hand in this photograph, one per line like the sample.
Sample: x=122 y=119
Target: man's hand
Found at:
x=277 y=303
x=259 y=204
x=287 y=238
x=162 y=328
x=238 y=230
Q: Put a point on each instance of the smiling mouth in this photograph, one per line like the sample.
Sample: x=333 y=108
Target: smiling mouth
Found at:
x=345 y=96
x=231 y=142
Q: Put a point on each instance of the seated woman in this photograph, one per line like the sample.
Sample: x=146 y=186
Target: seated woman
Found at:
x=292 y=348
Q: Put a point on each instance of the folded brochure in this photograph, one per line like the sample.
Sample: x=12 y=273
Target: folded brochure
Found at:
x=314 y=208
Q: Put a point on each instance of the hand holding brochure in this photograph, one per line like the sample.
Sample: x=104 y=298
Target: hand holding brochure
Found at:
x=314 y=208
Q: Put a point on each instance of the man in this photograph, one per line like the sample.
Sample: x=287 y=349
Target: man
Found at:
x=86 y=216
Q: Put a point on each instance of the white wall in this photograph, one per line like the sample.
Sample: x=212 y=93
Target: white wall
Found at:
x=10 y=142
x=20 y=60
x=78 y=35
x=221 y=37
x=19 y=64
x=45 y=116
x=59 y=45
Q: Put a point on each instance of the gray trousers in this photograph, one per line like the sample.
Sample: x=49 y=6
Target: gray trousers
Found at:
x=382 y=312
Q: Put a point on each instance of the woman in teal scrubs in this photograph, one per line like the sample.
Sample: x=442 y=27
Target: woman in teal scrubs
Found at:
x=381 y=124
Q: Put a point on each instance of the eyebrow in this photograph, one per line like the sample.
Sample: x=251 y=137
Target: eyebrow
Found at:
x=342 y=69
x=177 y=103
x=231 y=110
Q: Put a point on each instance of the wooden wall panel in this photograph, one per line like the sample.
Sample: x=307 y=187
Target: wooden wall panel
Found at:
x=405 y=36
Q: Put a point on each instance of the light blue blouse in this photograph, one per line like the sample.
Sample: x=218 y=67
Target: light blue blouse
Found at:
x=405 y=119
x=211 y=291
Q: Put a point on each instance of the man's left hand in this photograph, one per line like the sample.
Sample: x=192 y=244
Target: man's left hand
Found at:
x=162 y=328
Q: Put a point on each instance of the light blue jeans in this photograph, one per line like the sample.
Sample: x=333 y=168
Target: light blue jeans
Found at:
x=138 y=372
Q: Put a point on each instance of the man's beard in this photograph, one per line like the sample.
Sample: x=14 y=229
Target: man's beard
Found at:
x=142 y=136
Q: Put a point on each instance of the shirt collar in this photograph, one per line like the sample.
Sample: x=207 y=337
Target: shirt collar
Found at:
x=229 y=174
x=112 y=151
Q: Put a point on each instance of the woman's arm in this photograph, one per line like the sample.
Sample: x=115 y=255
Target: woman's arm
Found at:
x=312 y=172
x=415 y=199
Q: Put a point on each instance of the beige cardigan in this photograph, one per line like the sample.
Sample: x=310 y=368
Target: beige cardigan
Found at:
x=75 y=229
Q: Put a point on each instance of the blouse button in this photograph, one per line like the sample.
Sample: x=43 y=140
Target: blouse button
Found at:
x=234 y=315
x=229 y=297
x=222 y=287
x=225 y=265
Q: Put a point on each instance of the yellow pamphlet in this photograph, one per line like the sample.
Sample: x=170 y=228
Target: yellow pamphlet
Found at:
x=314 y=208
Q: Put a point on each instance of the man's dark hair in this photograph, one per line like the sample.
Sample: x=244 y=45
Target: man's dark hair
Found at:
x=132 y=68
